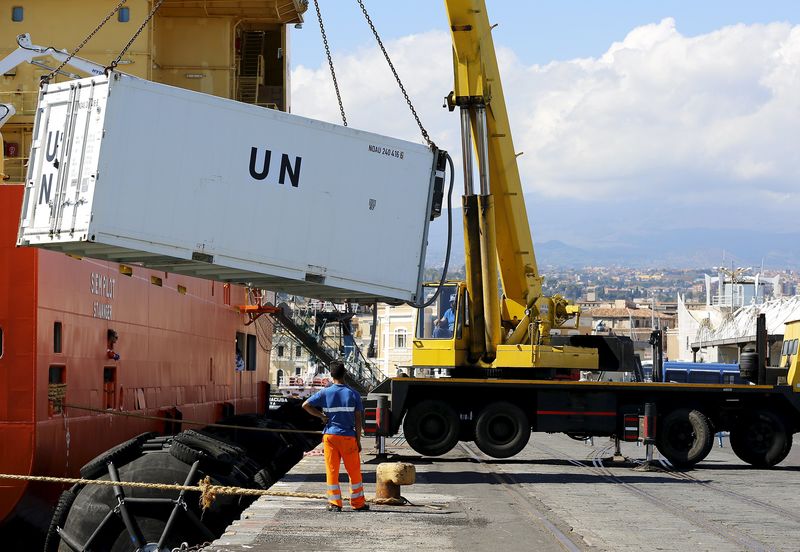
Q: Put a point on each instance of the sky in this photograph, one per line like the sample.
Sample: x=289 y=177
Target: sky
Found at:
x=632 y=116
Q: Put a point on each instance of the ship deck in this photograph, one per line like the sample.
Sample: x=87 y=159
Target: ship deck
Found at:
x=557 y=494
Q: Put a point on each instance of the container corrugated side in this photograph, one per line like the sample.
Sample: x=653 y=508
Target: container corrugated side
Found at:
x=133 y=171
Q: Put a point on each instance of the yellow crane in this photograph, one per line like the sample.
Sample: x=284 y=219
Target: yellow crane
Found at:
x=513 y=354
x=471 y=328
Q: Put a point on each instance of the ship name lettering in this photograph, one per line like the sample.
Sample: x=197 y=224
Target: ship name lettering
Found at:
x=102 y=285
x=101 y=310
x=286 y=169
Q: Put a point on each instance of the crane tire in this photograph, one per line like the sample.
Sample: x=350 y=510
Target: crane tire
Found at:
x=120 y=454
x=60 y=517
x=431 y=427
x=502 y=430
x=684 y=437
x=762 y=439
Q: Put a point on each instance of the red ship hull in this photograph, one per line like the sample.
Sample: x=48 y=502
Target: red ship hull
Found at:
x=177 y=347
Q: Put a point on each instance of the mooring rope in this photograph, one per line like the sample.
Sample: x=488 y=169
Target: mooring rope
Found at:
x=208 y=491
x=188 y=422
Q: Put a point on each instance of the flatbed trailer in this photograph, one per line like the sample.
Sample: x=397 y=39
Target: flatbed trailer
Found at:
x=500 y=414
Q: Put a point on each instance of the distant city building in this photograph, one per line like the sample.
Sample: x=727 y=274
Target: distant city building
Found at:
x=717 y=331
x=624 y=319
x=732 y=288
x=395 y=335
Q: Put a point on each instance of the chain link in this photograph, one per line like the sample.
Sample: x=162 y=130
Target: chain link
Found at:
x=184 y=547
x=396 y=76
x=46 y=78
x=330 y=62
x=147 y=19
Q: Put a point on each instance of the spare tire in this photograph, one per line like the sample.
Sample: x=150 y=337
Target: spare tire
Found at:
x=120 y=455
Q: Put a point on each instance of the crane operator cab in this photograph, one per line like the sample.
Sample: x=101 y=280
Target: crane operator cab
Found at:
x=440 y=339
x=441 y=319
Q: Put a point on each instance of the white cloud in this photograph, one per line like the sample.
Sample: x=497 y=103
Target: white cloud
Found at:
x=658 y=117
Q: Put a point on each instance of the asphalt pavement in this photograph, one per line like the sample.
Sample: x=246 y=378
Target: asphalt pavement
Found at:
x=558 y=494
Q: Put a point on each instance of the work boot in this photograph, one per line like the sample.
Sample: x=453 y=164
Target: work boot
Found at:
x=334 y=508
x=364 y=508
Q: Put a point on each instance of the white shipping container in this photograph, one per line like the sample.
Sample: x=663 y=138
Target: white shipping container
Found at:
x=133 y=171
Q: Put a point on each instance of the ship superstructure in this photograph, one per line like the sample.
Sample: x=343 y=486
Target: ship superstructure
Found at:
x=110 y=338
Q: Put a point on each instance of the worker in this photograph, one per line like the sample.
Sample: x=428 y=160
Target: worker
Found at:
x=446 y=324
x=342 y=411
x=239 y=365
x=112 y=338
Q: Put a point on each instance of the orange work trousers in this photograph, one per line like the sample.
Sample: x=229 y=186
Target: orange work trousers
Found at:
x=338 y=448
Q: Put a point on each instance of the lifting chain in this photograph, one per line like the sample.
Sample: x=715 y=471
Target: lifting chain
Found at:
x=147 y=19
x=330 y=62
x=46 y=78
x=186 y=548
x=396 y=76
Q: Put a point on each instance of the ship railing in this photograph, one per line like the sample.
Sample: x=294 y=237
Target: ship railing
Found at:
x=16 y=168
x=363 y=374
x=24 y=101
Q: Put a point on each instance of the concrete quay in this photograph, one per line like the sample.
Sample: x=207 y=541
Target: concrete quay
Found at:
x=558 y=494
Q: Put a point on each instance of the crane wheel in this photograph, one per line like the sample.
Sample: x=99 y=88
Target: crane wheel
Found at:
x=762 y=439
x=431 y=427
x=684 y=437
x=502 y=430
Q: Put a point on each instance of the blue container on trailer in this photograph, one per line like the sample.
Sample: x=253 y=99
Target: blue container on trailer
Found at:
x=702 y=372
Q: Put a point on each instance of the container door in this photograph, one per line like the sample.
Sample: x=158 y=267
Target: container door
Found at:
x=63 y=161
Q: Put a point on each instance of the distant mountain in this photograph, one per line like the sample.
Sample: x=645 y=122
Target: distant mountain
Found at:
x=677 y=248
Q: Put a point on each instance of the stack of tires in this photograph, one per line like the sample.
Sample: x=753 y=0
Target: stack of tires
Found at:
x=96 y=517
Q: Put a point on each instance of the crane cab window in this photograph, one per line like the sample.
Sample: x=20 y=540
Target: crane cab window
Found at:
x=17 y=14
x=441 y=319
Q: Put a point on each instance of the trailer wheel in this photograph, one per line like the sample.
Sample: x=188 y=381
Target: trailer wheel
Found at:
x=431 y=427
x=761 y=439
x=684 y=437
x=502 y=430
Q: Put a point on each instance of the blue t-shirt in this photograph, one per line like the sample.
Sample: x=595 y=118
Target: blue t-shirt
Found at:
x=340 y=404
x=450 y=317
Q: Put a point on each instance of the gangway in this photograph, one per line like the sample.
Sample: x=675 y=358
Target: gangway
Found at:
x=361 y=375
